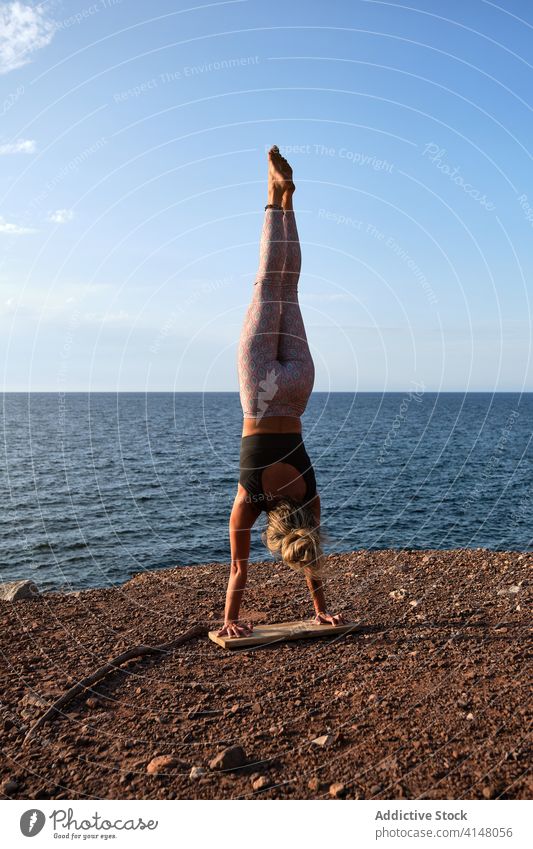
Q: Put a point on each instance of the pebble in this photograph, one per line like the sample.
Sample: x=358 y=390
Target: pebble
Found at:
x=197 y=772
x=314 y=784
x=33 y=700
x=470 y=716
x=10 y=786
x=162 y=764
x=323 y=741
x=231 y=758
x=398 y=595
x=337 y=790
x=261 y=783
x=512 y=590
x=256 y=708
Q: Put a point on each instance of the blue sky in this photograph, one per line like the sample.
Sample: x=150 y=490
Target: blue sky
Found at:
x=132 y=158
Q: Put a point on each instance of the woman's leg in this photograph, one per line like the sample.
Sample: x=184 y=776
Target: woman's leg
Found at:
x=258 y=347
x=293 y=350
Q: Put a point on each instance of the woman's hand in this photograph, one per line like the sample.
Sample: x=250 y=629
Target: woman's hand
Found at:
x=236 y=629
x=323 y=617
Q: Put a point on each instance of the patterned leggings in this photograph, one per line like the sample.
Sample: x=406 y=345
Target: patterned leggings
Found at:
x=276 y=370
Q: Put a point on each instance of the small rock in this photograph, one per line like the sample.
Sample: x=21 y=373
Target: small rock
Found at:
x=487 y=793
x=414 y=603
x=337 y=790
x=256 y=708
x=92 y=702
x=10 y=786
x=512 y=590
x=426 y=559
x=470 y=716
x=231 y=758
x=17 y=590
x=260 y=783
x=197 y=772
x=234 y=708
x=33 y=700
x=323 y=741
x=314 y=784
x=162 y=764
x=398 y=595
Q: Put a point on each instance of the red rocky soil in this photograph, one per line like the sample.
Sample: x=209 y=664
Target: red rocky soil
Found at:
x=428 y=699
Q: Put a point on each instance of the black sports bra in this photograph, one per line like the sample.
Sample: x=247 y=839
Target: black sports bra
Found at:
x=263 y=449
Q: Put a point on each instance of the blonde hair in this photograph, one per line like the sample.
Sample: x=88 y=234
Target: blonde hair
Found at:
x=293 y=534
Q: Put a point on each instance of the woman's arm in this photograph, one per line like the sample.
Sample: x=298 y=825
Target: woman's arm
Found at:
x=243 y=516
x=316 y=587
x=323 y=616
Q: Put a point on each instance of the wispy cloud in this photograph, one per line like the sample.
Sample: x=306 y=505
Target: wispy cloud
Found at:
x=61 y=216
x=20 y=146
x=13 y=229
x=23 y=30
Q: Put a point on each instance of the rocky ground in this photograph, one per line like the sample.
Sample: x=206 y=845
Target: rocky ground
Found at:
x=427 y=699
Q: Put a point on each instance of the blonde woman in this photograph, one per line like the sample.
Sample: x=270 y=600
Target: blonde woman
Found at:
x=276 y=376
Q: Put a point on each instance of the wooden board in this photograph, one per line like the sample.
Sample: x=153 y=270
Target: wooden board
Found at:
x=265 y=634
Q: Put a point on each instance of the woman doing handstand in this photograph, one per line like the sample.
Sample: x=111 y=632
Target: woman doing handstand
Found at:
x=276 y=376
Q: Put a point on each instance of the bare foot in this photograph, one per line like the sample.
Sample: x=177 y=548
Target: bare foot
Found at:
x=279 y=172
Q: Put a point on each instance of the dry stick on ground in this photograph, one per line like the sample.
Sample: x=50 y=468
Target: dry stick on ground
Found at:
x=112 y=665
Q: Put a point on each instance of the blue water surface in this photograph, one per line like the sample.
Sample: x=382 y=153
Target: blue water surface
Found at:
x=97 y=486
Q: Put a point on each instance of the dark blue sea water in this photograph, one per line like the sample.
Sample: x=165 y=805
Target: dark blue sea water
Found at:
x=96 y=487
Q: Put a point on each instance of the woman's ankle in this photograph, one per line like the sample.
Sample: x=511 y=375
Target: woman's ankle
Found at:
x=275 y=196
x=287 y=200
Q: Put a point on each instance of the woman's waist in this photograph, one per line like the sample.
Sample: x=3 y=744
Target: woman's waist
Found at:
x=271 y=425
x=259 y=450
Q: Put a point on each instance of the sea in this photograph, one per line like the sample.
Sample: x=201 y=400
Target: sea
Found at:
x=97 y=487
